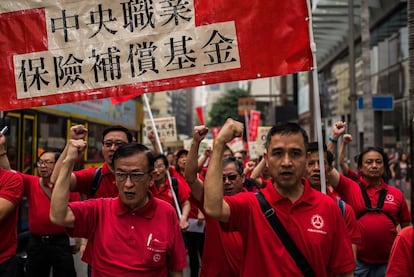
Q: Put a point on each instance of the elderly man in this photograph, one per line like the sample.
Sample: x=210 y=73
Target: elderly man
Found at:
x=131 y=234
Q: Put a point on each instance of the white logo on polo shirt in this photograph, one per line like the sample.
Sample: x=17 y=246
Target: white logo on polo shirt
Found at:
x=156 y=258
x=389 y=198
x=317 y=221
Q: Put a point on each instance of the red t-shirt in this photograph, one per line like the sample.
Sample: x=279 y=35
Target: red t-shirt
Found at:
x=146 y=242
x=164 y=192
x=39 y=207
x=314 y=222
x=181 y=180
x=107 y=187
x=223 y=250
x=11 y=189
x=377 y=230
x=401 y=263
x=350 y=220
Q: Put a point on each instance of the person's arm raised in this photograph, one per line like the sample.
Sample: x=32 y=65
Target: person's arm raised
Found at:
x=214 y=205
x=4 y=160
x=76 y=132
x=346 y=139
x=191 y=168
x=60 y=213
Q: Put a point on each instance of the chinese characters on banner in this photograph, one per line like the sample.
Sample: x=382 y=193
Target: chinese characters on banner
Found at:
x=65 y=51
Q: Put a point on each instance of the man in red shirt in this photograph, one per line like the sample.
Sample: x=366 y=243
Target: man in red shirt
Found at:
x=133 y=234
x=161 y=189
x=401 y=263
x=83 y=180
x=313 y=175
x=379 y=226
x=223 y=251
x=11 y=191
x=311 y=218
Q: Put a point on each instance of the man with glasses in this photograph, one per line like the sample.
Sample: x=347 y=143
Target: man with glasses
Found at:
x=92 y=182
x=223 y=250
x=49 y=246
x=133 y=234
x=161 y=189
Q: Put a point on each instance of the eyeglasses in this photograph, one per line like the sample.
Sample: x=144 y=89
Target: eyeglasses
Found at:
x=135 y=177
x=42 y=162
x=160 y=166
x=230 y=177
x=109 y=143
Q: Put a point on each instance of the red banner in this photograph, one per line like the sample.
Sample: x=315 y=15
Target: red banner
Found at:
x=254 y=124
x=64 y=51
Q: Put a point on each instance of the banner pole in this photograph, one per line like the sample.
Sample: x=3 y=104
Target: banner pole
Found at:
x=317 y=107
x=157 y=139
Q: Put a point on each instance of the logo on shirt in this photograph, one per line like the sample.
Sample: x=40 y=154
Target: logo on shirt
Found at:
x=317 y=223
x=156 y=258
x=389 y=198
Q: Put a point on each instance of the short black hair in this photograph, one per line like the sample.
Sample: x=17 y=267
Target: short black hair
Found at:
x=236 y=162
x=130 y=149
x=158 y=156
x=313 y=146
x=117 y=128
x=56 y=154
x=286 y=128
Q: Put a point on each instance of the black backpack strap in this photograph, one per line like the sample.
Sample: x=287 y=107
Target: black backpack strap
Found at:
x=96 y=181
x=378 y=208
x=174 y=183
x=280 y=230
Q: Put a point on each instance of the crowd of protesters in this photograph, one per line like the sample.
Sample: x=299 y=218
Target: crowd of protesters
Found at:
x=144 y=212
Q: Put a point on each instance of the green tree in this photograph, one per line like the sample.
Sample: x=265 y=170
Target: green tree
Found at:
x=227 y=106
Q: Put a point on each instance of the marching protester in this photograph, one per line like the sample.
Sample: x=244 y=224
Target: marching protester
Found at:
x=11 y=191
x=49 y=245
x=311 y=220
x=313 y=175
x=131 y=234
x=95 y=182
x=161 y=189
x=379 y=208
x=223 y=250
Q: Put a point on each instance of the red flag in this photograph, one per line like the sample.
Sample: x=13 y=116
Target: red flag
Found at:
x=55 y=51
x=121 y=99
x=200 y=114
x=254 y=124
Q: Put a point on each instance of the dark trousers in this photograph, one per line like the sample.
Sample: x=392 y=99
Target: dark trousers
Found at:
x=195 y=245
x=46 y=252
x=9 y=267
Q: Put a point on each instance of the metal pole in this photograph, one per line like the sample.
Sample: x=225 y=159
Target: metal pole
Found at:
x=157 y=139
x=317 y=106
x=353 y=130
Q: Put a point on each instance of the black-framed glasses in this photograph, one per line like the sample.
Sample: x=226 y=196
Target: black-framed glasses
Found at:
x=159 y=166
x=109 y=143
x=135 y=177
x=42 y=162
x=230 y=177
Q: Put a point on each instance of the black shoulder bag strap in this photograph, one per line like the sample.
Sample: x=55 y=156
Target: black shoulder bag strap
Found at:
x=280 y=230
x=96 y=181
x=380 y=204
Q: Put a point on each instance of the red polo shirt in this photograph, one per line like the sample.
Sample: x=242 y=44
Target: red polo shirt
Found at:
x=107 y=187
x=11 y=189
x=165 y=193
x=350 y=221
x=223 y=250
x=401 y=261
x=314 y=222
x=377 y=230
x=39 y=207
x=146 y=242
